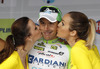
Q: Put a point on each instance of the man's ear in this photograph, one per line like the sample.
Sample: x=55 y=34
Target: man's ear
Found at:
x=73 y=33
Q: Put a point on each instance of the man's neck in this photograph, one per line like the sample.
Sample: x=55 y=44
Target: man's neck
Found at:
x=50 y=41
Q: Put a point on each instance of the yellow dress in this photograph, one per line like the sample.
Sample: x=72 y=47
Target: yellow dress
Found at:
x=83 y=58
x=13 y=62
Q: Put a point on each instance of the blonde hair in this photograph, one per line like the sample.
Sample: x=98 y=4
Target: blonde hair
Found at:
x=91 y=33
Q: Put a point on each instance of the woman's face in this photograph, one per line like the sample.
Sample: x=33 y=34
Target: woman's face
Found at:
x=34 y=30
x=63 y=27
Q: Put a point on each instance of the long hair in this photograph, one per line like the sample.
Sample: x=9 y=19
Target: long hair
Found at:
x=19 y=32
x=85 y=27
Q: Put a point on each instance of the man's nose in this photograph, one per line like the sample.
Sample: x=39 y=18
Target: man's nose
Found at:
x=46 y=27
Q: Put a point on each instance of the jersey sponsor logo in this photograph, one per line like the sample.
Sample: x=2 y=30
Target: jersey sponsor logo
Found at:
x=42 y=53
x=54 y=47
x=32 y=59
x=38 y=48
x=60 y=53
x=41 y=44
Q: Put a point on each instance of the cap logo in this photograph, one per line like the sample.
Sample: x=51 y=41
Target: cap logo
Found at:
x=49 y=11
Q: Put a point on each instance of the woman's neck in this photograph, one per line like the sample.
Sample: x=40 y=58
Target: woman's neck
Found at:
x=72 y=41
x=23 y=50
x=22 y=53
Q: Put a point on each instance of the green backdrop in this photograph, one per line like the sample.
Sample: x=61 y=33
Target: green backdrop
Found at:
x=5 y=27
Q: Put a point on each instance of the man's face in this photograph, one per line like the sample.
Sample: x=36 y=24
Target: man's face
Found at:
x=48 y=29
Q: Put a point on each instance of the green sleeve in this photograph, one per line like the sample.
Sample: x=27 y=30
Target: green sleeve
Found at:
x=69 y=61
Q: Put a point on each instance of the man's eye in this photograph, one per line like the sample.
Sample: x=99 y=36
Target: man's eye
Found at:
x=62 y=24
x=51 y=23
x=42 y=22
x=35 y=28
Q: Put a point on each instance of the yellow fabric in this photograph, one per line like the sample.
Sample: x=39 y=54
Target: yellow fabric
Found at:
x=96 y=51
x=83 y=58
x=13 y=62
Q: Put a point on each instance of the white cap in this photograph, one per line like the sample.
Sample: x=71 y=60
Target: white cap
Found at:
x=52 y=17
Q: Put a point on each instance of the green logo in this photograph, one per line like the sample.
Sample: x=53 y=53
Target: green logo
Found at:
x=38 y=48
x=41 y=44
x=54 y=47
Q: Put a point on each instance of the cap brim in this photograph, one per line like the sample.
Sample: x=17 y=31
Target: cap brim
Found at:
x=48 y=17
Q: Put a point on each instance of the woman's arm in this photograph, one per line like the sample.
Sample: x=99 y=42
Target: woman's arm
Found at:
x=96 y=50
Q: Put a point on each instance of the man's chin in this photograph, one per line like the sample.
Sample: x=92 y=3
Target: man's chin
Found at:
x=47 y=38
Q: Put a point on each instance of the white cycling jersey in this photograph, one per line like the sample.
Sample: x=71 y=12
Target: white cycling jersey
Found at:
x=51 y=54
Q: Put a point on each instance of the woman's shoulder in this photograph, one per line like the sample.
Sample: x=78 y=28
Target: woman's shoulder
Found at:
x=15 y=54
x=79 y=47
x=10 y=62
x=13 y=57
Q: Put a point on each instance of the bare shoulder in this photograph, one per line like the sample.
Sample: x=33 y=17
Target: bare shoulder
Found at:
x=2 y=43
